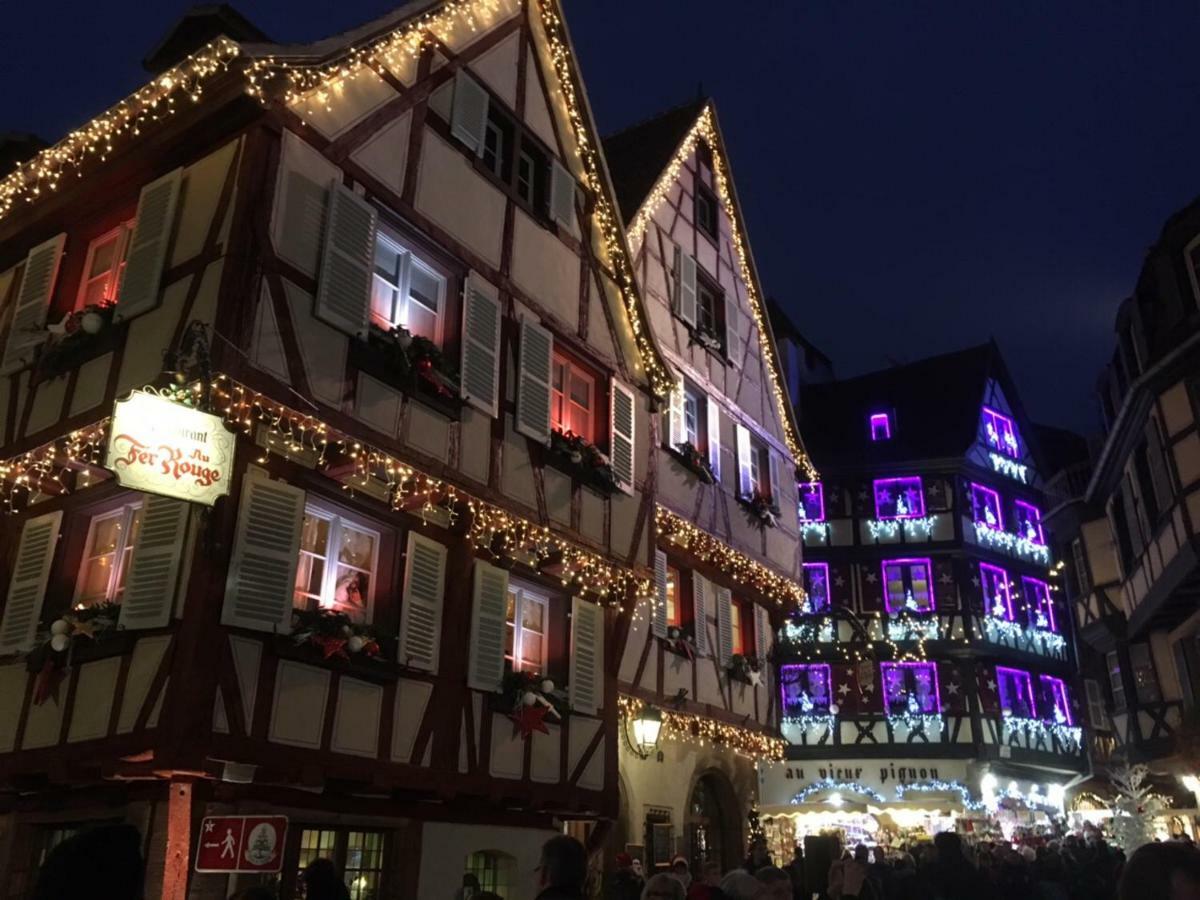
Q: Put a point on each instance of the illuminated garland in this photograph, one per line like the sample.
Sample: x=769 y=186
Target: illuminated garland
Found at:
x=1051 y=641
x=1011 y=543
x=491 y=528
x=950 y=787
x=828 y=784
x=890 y=528
x=702 y=732
x=809 y=629
x=812 y=720
x=734 y=563
x=1069 y=736
x=929 y=723
x=97 y=139
x=705 y=128
x=1006 y=466
x=913 y=628
x=818 y=528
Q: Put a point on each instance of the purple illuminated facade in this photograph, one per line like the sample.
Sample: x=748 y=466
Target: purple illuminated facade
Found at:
x=986 y=508
x=999 y=432
x=1037 y=600
x=911 y=687
x=899 y=498
x=1059 y=700
x=816 y=585
x=881 y=426
x=907 y=584
x=1016 y=692
x=1029 y=522
x=805 y=689
x=997 y=592
x=812 y=501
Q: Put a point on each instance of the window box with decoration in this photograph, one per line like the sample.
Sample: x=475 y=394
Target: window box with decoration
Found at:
x=758 y=478
x=747 y=669
x=583 y=461
x=81 y=336
x=414 y=364
x=691 y=458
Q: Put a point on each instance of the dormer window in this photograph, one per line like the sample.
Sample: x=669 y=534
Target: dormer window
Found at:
x=881 y=426
x=899 y=498
x=812 y=501
x=706 y=210
x=1029 y=523
x=1000 y=433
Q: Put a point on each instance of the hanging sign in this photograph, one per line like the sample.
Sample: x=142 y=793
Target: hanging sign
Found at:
x=162 y=447
x=241 y=844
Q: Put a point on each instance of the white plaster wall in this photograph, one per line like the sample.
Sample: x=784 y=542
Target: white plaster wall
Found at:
x=445 y=848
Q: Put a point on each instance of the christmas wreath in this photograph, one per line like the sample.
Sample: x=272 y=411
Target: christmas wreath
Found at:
x=51 y=659
x=334 y=634
x=530 y=698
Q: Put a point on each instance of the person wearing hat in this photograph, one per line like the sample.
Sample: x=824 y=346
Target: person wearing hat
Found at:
x=681 y=871
x=626 y=884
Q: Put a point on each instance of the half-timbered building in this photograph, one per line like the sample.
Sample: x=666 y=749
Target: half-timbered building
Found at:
x=930 y=665
x=390 y=264
x=727 y=452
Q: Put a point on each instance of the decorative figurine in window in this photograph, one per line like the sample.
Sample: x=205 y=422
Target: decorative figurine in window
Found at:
x=914 y=706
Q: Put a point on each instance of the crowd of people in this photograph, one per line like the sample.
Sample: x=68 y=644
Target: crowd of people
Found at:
x=945 y=869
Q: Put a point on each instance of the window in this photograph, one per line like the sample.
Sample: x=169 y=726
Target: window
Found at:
x=104 y=266
x=526 y=628
x=1115 y=684
x=1083 y=578
x=695 y=418
x=760 y=468
x=358 y=855
x=572 y=399
x=1145 y=680
x=515 y=158
x=910 y=687
x=806 y=689
x=1056 y=703
x=1097 y=713
x=907 y=585
x=1029 y=523
x=337 y=564
x=881 y=426
x=997 y=593
x=736 y=628
x=985 y=507
x=674 y=597
x=816 y=585
x=812 y=501
x=999 y=432
x=532 y=167
x=1038 y=603
x=497 y=144
x=710 y=308
x=495 y=871
x=107 y=554
x=899 y=498
x=407 y=292
x=1016 y=693
x=706 y=210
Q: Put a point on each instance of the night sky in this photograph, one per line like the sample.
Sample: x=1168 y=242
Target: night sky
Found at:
x=916 y=177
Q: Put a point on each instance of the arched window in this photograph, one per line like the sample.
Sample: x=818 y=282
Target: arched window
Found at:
x=494 y=870
x=713 y=829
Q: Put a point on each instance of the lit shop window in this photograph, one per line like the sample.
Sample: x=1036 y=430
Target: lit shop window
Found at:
x=337 y=563
x=107 y=555
x=899 y=498
x=1000 y=433
x=907 y=585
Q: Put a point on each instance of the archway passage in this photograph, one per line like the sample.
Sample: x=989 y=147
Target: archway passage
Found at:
x=714 y=824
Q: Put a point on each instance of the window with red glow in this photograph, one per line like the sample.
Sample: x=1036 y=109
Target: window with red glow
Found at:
x=572 y=399
x=736 y=629
x=103 y=267
x=674 y=599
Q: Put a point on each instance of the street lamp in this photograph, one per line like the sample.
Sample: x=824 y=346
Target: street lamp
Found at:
x=647 y=727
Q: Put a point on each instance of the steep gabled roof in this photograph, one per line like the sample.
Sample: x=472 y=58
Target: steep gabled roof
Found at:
x=638 y=154
x=935 y=403
x=702 y=126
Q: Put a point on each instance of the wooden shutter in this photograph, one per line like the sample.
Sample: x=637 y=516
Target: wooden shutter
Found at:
x=489 y=605
x=562 y=195
x=148 y=245
x=347 y=262
x=776 y=496
x=724 y=625
x=687 y=288
x=623 y=406
x=676 y=433
x=481 y=346
x=702 y=595
x=586 y=686
x=33 y=301
x=468 y=120
x=733 y=330
x=714 y=436
x=658 y=617
x=533 y=388
x=27 y=587
x=153 y=578
x=762 y=632
x=744 y=449
x=266 y=548
x=421 y=614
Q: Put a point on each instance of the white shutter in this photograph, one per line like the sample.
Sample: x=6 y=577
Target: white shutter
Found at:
x=702 y=591
x=148 y=246
x=481 y=346
x=266 y=548
x=762 y=632
x=714 y=437
x=468 y=120
x=745 y=473
x=623 y=406
x=586 y=687
x=687 y=288
x=27 y=588
x=776 y=496
x=562 y=195
x=489 y=605
x=724 y=625
x=658 y=616
x=676 y=432
x=733 y=331
x=421 y=612
x=533 y=388
x=33 y=301
x=347 y=262
x=153 y=579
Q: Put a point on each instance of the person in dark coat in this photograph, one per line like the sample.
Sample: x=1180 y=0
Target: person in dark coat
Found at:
x=626 y=884
x=562 y=871
x=1168 y=871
